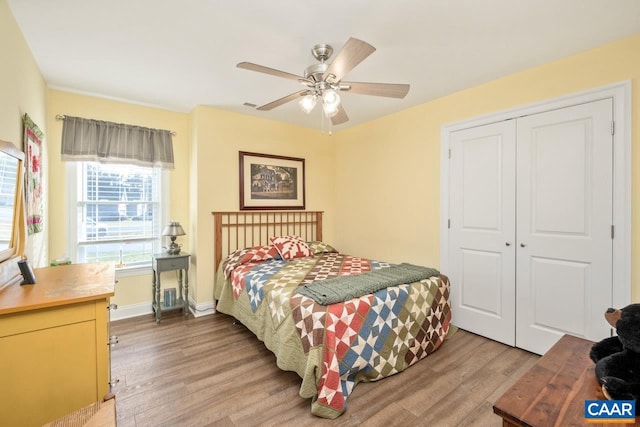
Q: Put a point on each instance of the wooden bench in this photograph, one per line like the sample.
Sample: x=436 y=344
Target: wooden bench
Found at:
x=553 y=391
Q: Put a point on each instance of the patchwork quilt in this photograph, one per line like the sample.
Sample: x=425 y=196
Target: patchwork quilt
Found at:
x=332 y=347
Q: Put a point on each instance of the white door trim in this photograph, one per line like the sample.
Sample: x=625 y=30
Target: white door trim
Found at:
x=621 y=94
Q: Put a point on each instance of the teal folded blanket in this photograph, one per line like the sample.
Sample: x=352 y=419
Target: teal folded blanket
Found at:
x=344 y=288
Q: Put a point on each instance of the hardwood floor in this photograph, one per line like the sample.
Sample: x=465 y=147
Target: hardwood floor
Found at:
x=208 y=371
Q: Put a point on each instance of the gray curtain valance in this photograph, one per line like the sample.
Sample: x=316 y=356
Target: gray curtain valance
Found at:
x=89 y=140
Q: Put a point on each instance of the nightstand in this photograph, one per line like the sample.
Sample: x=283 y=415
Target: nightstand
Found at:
x=165 y=262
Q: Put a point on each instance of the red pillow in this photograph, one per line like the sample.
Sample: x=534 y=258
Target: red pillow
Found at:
x=246 y=255
x=290 y=247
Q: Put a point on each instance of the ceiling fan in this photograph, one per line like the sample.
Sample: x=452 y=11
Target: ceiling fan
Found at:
x=323 y=81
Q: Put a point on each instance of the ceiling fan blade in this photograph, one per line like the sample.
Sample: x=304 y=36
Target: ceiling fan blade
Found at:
x=262 y=69
x=352 y=53
x=283 y=100
x=341 y=117
x=390 y=90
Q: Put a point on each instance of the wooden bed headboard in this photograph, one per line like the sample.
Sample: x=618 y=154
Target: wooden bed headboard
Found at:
x=242 y=229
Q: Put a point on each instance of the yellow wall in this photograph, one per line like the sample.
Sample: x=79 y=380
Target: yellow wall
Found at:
x=378 y=182
x=218 y=136
x=22 y=90
x=205 y=177
x=395 y=161
x=22 y=87
x=130 y=290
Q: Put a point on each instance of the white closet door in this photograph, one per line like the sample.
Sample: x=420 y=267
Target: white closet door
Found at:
x=564 y=217
x=482 y=227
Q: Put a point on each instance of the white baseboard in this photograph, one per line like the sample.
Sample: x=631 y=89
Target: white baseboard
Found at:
x=202 y=309
x=144 y=308
x=133 y=310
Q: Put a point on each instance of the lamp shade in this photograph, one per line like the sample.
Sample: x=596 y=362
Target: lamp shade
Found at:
x=307 y=103
x=330 y=110
x=173 y=229
x=331 y=98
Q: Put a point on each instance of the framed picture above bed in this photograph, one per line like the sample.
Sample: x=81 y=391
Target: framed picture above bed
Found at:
x=271 y=182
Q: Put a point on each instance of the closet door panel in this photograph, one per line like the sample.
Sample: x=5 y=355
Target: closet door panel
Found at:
x=545 y=274
x=559 y=183
x=564 y=217
x=481 y=278
x=482 y=226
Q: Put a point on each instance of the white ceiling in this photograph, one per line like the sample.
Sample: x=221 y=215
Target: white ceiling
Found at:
x=178 y=54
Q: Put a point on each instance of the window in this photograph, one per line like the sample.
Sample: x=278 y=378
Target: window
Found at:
x=8 y=179
x=116 y=213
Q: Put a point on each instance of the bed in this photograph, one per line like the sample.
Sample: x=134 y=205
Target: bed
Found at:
x=271 y=269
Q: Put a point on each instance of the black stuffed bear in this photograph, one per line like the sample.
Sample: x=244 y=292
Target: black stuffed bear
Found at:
x=617 y=358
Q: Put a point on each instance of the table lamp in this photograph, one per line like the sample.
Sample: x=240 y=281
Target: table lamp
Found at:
x=173 y=230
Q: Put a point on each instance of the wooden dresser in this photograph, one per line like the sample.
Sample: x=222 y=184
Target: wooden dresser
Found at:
x=54 y=352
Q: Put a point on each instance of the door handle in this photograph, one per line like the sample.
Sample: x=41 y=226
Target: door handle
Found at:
x=507 y=244
x=522 y=245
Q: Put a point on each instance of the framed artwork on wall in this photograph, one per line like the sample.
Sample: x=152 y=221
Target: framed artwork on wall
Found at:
x=33 y=149
x=269 y=182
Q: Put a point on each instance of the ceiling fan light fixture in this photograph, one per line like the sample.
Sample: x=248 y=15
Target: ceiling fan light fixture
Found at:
x=330 y=110
x=307 y=103
x=323 y=81
x=330 y=97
